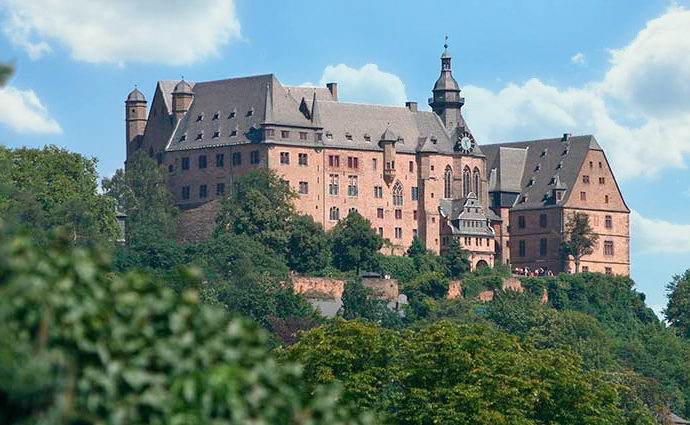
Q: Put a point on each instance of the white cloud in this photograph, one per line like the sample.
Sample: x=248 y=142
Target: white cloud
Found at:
x=161 y=31
x=23 y=112
x=639 y=112
x=367 y=84
x=652 y=235
x=579 y=59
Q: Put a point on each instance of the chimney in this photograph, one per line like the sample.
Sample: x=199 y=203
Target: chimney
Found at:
x=412 y=106
x=333 y=88
x=566 y=137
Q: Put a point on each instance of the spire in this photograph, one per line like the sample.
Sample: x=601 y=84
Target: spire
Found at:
x=268 y=114
x=445 y=51
x=315 y=116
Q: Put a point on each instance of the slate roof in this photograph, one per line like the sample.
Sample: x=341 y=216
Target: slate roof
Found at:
x=465 y=216
x=136 y=96
x=542 y=161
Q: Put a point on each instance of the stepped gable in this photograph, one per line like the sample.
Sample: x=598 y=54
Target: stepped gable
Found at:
x=246 y=98
x=543 y=160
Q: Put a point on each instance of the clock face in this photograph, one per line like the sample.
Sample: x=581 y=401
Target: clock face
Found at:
x=466 y=143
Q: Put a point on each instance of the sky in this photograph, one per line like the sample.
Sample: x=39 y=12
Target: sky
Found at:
x=618 y=69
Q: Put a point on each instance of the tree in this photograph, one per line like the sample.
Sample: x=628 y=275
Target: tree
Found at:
x=579 y=238
x=354 y=242
x=362 y=302
x=417 y=247
x=141 y=192
x=307 y=247
x=677 y=311
x=80 y=345
x=52 y=189
x=260 y=206
x=456 y=259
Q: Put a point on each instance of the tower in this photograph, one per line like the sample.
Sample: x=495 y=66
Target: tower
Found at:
x=447 y=102
x=135 y=119
x=182 y=97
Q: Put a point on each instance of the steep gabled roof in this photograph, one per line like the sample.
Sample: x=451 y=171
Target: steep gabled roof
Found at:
x=544 y=162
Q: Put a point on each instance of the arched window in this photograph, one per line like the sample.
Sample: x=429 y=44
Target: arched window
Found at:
x=334 y=214
x=477 y=186
x=397 y=193
x=448 y=182
x=466 y=184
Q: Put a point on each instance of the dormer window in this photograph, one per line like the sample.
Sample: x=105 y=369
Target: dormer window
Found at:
x=329 y=135
x=543 y=153
x=233 y=133
x=537 y=168
x=565 y=151
x=401 y=140
x=199 y=136
x=530 y=182
x=200 y=117
x=216 y=134
x=233 y=114
x=183 y=138
x=367 y=137
x=216 y=115
x=348 y=136
x=319 y=136
x=560 y=165
x=250 y=112
x=434 y=140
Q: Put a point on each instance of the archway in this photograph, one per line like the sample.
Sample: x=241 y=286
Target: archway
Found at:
x=481 y=264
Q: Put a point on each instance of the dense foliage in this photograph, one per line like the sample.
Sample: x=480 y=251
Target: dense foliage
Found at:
x=579 y=238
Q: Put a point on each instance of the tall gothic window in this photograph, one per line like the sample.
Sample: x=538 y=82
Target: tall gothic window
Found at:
x=397 y=193
x=448 y=182
x=466 y=184
x=477 y=186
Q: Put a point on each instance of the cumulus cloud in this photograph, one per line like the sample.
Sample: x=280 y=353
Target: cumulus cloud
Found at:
x=579 y=59
x=23 y=112
x=652 y=235
x=367 y=84
x=639 y=112
x=157 y=31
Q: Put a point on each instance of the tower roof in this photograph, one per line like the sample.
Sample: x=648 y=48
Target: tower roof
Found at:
x=136 y=96
x=445 y=80
x=183 y=87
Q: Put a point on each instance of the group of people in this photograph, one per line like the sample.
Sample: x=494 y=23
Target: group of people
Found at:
x=541 y=271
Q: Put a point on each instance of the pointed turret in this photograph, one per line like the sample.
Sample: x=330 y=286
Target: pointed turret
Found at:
x=315 y=114
x=447 y=101
x=387 y=141
x=268 y=107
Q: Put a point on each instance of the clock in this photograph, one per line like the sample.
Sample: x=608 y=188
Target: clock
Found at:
x=465 y=143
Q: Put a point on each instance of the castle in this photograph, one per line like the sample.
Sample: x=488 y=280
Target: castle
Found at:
x=410 y=172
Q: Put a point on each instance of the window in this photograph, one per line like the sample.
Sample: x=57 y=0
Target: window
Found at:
x=397 y=194
x=608 y=222
x=200 y=117
x=171 y=168
x=466 y=181
x=608 y=270
x=352 y=162
x=521 y=248
x=585 y=179
x=477 y=182
x=220 y=189
x=200 y=136
x=602 y=180
x=398 y=232
x=600 y=166
x=373 y=163
x=608 y=247
x=411 y=166
x=303 y=188
x=379 y=212
x=414 y=214
x=185 y=192
x=521 y=221
x=352 y=210
x=233 y=133
x=319 y=137
x=415 y=193
x=270 y=132
x=542 y=247
x=237 y=158
x=606 y=199
x=398 y=214
x=203 y=191
x=381 y=231
x=352 y=186
x=329 y=135
x=216 y=115
x=285 y=158
x=378 y=192
x=333 y=161
x=583 y=196
x=585 y=269
x=448 y=182
x=367 y=137
x=284 y=134
x=334 y=214
x=250 y=112
x=591 y=164
x=216 y=134
x=303 y=135
x=202 y=161
x=348 y=136
x=220 y=159
x=185 y=163
x=183 y=138
x=254 y=157
x=542 y=220
x=333 y=185
x=303 y=159
x=559 y=195
x=233 y=114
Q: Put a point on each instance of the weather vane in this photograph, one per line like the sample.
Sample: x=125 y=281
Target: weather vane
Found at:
x=445 y=45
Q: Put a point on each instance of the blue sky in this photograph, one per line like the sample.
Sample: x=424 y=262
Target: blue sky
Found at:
x=529 y=69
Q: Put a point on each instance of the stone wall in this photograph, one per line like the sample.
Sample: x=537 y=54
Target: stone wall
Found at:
x=319 y=285
x=388 y=288
x=198 y=223
x=513 y=283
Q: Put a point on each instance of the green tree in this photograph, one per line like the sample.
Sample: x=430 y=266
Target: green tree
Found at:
x=260 y=206
x=456 y=259
x=307 y=248
x=80 y=345
x=417 y=247
x=362 y=302
x=354 y=242
x=54 y=189
x=141 y=192
x=579 y=238
x=677 y=311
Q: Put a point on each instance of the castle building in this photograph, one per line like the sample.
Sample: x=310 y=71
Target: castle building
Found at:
x=410 y=172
